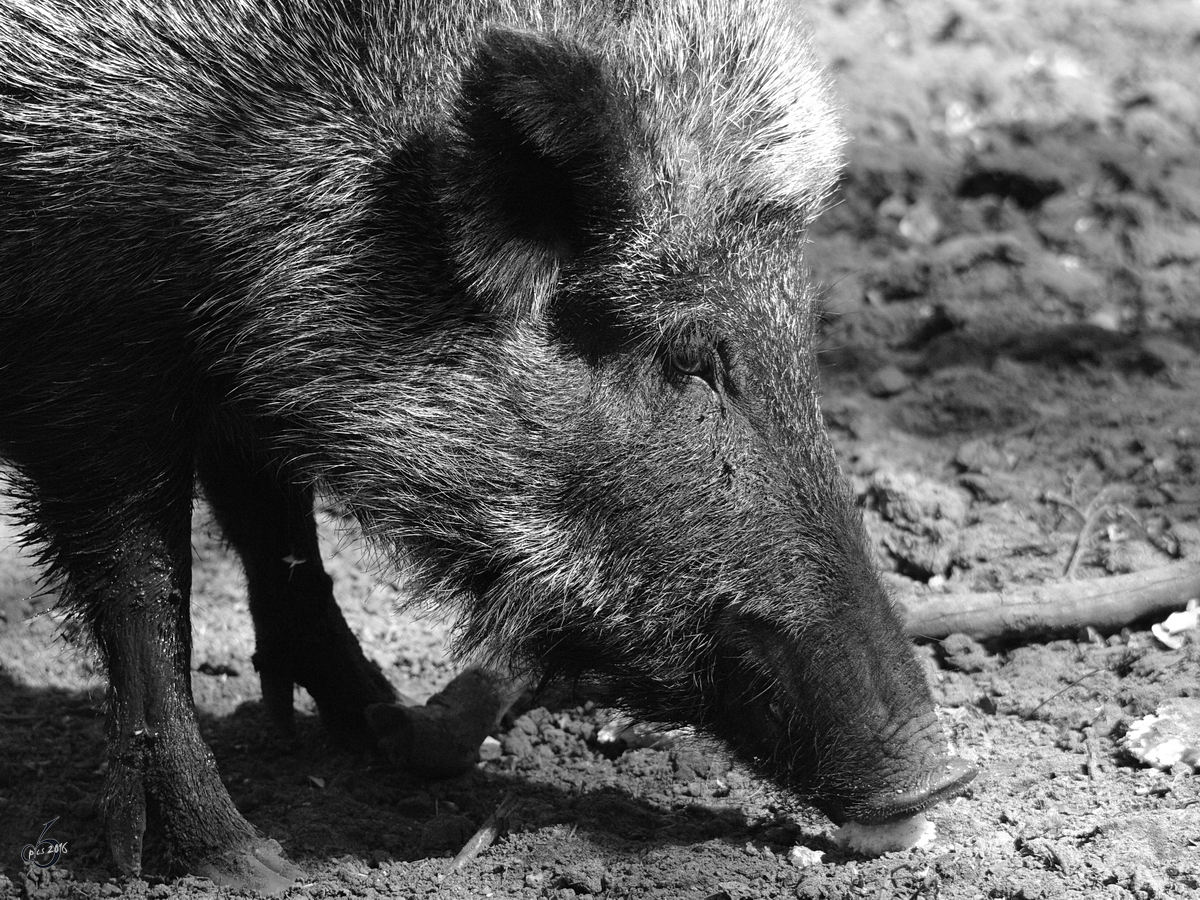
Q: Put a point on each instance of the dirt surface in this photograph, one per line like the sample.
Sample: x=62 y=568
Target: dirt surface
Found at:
x=1012 y=365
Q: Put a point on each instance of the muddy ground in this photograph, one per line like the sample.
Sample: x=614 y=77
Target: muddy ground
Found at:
x=1012 y=345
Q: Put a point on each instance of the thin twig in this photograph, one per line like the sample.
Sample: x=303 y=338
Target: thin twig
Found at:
x=1102 y=503
x=1092 y=745
x=485 y=836
x=1078 y=680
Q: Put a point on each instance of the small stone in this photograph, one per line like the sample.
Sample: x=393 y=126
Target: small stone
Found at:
x=887 y=382
x=517 y=743
x=490 y=750
x=1106 y=317
x=581 y=881
x=803 y=857
x=894 y=206
x=979 y=456
x=920 y=224
x=526 y=725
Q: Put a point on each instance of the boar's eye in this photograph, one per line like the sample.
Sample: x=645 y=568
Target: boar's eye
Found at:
x=692 y=359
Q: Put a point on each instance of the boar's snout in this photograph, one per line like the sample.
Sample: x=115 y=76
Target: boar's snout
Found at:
x=848 y=725
x=945 y=778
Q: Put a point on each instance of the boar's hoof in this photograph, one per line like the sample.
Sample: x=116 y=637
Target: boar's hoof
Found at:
x=258 y=866
x=343 y=684
x=424 y=741
x=441 y=739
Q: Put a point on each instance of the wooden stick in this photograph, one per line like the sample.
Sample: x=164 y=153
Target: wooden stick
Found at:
x=1105 y=603
x=484 y=837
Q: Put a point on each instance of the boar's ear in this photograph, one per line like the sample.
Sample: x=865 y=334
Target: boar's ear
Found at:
x=537 y=172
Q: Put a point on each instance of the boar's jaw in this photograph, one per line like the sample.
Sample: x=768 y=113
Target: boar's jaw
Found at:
x=869 y=752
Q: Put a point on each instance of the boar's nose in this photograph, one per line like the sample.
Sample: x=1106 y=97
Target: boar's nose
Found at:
x=947 y=779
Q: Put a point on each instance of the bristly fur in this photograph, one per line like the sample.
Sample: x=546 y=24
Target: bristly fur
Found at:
x=520 y=283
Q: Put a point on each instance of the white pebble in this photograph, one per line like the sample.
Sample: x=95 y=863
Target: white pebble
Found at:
x=803 y=857
x=490 y=750
x=875 y=840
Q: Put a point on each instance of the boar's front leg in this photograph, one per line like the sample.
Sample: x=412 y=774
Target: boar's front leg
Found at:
x=301 y=635
x=118 y=537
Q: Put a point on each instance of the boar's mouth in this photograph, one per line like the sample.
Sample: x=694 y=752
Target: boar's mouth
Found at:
x=851 y=730
x=948 y=780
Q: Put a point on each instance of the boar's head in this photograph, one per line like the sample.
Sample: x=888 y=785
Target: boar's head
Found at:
x=641 y=486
